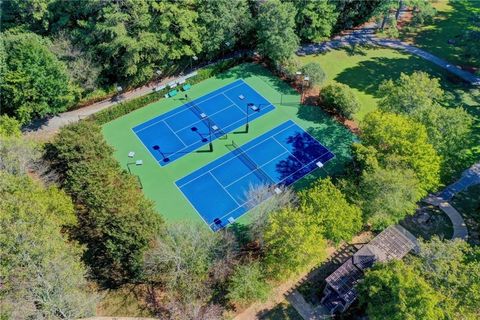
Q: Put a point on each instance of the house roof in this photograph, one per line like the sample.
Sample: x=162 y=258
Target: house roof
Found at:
x=392 y=243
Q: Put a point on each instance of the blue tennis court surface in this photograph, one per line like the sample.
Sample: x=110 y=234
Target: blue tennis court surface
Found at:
x=281 y=156
x=197 y=122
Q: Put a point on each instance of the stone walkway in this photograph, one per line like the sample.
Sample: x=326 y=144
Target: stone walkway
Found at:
x=469 y=177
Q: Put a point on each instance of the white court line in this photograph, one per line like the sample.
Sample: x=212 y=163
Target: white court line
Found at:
x=253 y=171
x=277 y=184
x=185 y=196
x=287 y=151
x=175 y=133
x=233 y=157
x=221 y=185
x=226 y=130
x=234 y=103
x=209 y=116
x=188 y=109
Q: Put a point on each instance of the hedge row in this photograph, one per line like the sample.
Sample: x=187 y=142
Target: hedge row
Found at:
x=124 y=108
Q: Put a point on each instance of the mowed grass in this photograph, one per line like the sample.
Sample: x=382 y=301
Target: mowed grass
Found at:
x=452 y=20
x=159 y=182
x=364 y=68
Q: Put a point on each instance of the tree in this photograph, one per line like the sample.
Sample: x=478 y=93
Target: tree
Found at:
x=452 y=267
x=315 y=19
x=292 y=241
x=420 y=97
x=9 y=127
x=247 y=284
x=395 y=291
x=124 y=41
x=35 y=83
x=42 y=275
x=262 y=203
x=81 y=67
x=403 y=143
x=314 y=71
x=327 y=208
x=340 y=97
x=410 y=93
x=183 y=261
x=116 y=222
x=275 y=30
x=226 y=23
x=176 y=26
x=32 y=13
x=388 y=196
x=449 y=131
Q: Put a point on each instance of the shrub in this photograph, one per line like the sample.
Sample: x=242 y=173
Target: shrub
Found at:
x=315 y=72
x=247 y=284
x=116 y=222
x=340 y=98
x=124 y=108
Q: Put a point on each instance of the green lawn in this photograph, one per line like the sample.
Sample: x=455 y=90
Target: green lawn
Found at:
x=452 y=20
x=159 y=182
x=364 y=68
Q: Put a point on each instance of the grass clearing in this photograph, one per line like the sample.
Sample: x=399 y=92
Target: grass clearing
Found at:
x=159 y=182
x=452 y=20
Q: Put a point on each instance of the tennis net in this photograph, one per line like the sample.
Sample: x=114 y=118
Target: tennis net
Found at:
x=251 y=164
x=198 y=112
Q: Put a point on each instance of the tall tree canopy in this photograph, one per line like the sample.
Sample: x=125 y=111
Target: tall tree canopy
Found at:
x=225 y=23
x=292 y=241
x=388 y=195
x=327 y=207
x=395 y=291
x=42 y=275
x=34 y=82
x=315 y=19
x=402 y=142
x=453 y=269
x=420 y=96
x=116 y=222
x=276 y=30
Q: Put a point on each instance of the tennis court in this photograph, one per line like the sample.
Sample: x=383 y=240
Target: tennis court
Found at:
x=198 y=122
x=218 y=191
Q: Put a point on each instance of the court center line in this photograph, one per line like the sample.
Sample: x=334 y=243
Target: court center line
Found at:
x=253 y=171
x=253 y=146
x=208 y=116
x=234 y=103
x=221 y=185
x=185 y=107
x=226 y=130
x=301 y=162
x=228 y=213
x=184 y=145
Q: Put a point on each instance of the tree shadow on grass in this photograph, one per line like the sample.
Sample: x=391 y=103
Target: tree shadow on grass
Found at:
x=366 y=76
x=252 y=70
x=331 y=134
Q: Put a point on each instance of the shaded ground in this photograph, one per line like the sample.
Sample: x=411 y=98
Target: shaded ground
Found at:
x=126 y=301
x=454 y=18
x=283 y=311
x=468 y=204
x=427 y=222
